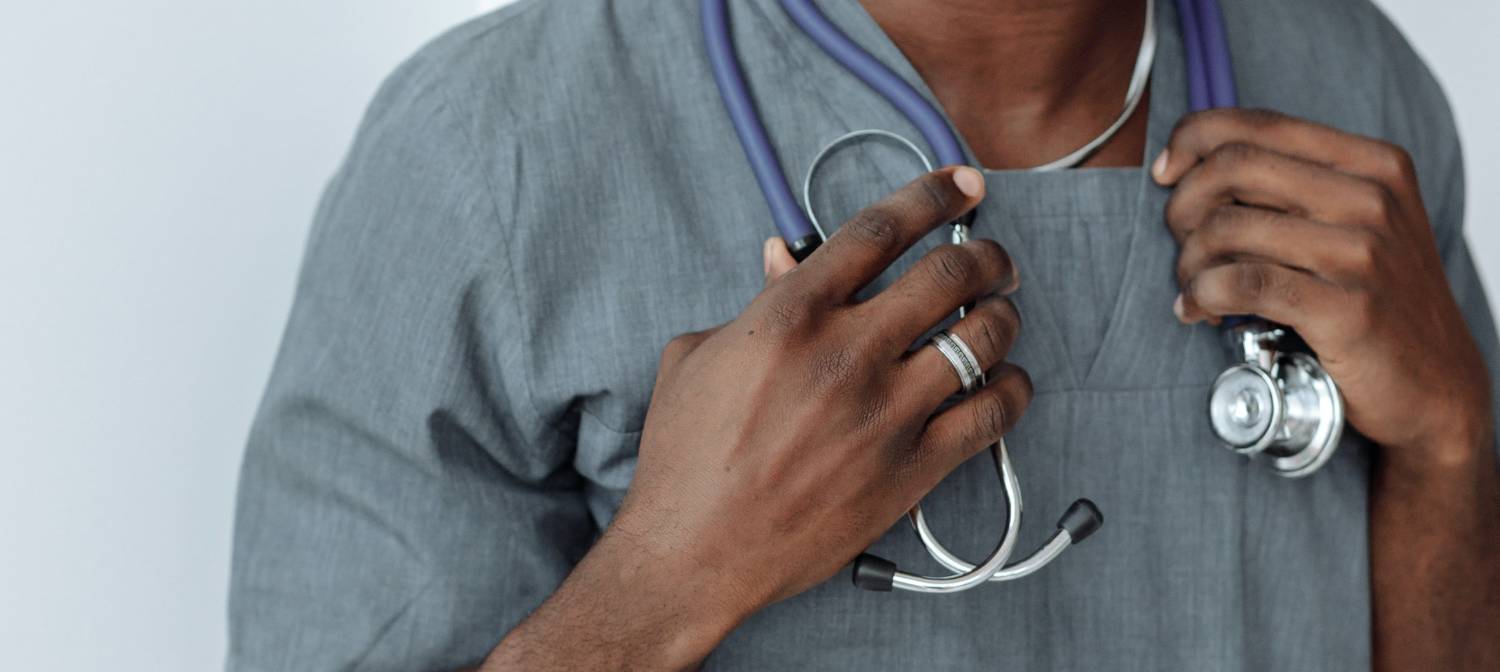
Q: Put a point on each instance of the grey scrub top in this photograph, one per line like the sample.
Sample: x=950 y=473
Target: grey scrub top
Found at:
x=540 y=199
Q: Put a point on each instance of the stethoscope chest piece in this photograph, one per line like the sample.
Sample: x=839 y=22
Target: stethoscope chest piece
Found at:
x=1278 y=402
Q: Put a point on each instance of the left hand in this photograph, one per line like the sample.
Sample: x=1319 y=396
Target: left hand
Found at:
x=1325 y=232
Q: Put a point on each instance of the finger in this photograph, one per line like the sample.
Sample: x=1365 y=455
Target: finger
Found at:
x=990 y=329
x=977 y=422
x=875 y=237
x=1198 y=135
x=1253 y=175
x=777 y=259
x=1230 y=233
x=945 y=279
x=1272 y=291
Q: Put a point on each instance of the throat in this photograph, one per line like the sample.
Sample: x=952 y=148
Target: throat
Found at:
x=1027 y=81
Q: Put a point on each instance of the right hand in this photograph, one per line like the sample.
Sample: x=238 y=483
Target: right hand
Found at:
x=780 y=445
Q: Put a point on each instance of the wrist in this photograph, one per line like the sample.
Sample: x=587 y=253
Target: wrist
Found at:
x=682 y=605
x=1460 y=445
x=620 y=608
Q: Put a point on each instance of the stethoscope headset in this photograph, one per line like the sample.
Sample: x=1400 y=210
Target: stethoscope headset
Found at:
x=1276 y=400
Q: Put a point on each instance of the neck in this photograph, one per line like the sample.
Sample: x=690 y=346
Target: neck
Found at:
x=1025 y=81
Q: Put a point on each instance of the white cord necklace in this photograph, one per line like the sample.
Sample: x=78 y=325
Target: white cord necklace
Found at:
x=1133 y=95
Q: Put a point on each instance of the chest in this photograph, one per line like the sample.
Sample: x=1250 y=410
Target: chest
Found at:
x=614 y=276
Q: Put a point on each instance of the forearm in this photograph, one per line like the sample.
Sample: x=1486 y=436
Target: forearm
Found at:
x=620 y=609
x=1435 y=556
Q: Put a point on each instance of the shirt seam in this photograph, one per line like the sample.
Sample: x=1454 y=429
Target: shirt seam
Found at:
x=470 y=147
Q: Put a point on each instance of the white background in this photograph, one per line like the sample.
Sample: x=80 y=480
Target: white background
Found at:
x=159 y=165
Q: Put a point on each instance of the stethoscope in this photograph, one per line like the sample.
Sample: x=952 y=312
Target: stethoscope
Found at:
x=1276 y=399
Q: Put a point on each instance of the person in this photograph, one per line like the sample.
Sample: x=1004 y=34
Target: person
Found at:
x=545 y=400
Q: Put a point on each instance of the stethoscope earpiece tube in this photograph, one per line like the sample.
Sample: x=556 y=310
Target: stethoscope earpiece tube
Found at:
x=791 y=223
x=1081 y=520
x=921 y=113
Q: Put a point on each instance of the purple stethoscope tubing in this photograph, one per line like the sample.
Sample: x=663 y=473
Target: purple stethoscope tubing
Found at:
x=923 y=115
x=1209 y=72
x=793 y=224
x=1220 y=66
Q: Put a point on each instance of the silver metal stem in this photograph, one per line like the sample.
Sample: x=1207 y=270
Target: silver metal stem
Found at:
x=968 y=575
x=1059 y=542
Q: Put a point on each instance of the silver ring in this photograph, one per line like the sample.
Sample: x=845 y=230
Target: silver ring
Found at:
x=964 y=363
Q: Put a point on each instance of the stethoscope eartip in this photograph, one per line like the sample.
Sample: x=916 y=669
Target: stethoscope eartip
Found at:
x=872 y=572
x=1081 y=519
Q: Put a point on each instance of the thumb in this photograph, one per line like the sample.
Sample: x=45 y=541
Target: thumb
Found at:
x=778 y=260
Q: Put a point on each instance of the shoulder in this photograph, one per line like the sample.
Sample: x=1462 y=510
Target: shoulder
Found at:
x=1335 y=58
x=536 y=61
x=538 y=83
x=1345 y=63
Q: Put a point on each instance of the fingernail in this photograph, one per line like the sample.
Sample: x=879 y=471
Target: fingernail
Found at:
x=968 y=181
x=1179 y=310
x=765 y=257
x=1159 y=168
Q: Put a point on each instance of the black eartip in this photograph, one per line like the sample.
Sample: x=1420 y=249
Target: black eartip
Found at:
x=1081 y=520
x=802 y=248
x=872 y=572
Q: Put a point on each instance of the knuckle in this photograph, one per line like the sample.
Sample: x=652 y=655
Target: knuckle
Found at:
x=875 y=227
x=1188 y=260
x=997 y=324
x=1009 y=316
x=1188 y=124
x=1025 y=390
x=933 y=196
x=873 y=344
x=1251 y=281
x=991 y=418
x=676 y=349
x=1223 y=229
x=1260 y=117
x=1231 y=156
x=993 y=257
x=1204 y=123
x=1364 y=251
x=1179 y=207
x=991 y=338
x=1017 y=392
x=1191 y=119
x=952 y=267
x=1220 y=223
x=1376 y=203
x=1395 y=163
